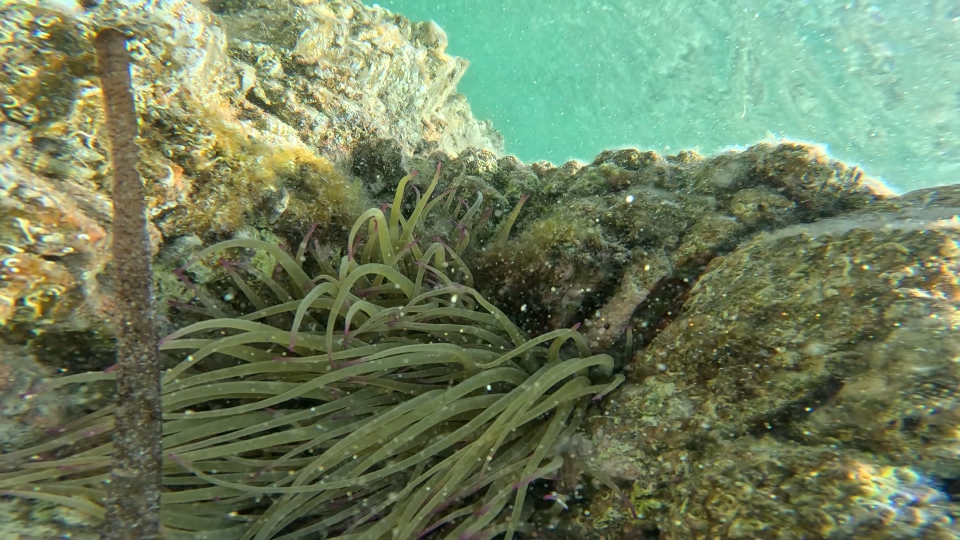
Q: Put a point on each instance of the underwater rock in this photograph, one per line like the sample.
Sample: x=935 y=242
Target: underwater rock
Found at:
x=635 y=229
x=797 y=337
x=244 y=108
x=26 y=411
x=771 y=489
x=447 y=360
x=836 y=336
x=337 y=72
x=765 y=488
x=42 y=522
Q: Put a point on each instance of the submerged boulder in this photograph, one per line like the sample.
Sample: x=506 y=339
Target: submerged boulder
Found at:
x=806 y=389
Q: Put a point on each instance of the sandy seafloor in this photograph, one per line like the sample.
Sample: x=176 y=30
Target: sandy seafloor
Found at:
x=877 y=82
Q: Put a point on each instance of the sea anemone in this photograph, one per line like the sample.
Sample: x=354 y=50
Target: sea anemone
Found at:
x=383 y=399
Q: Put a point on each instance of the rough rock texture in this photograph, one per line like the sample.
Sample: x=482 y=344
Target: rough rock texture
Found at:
x=54 y=246
x=28 y=408
x=26 y=411
x=42 y=522
x=807 y=389
x=596 y=241
x=244 y=106
x=336 y=72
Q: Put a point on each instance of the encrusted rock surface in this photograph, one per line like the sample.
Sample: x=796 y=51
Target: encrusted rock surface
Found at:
x=595 y=241
x=26 y=412
x=795 y=336
x=244 y=105
x=807 y=389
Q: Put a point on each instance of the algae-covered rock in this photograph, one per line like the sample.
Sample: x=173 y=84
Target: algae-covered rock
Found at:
x=838 y=337
x=43 y=522
x=765 y=488
x=635 y=229
x=770 y=489
x=27 y=411
x=54 y=246
x=245 y=106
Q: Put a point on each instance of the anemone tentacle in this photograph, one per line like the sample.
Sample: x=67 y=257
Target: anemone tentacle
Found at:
x=383 y=408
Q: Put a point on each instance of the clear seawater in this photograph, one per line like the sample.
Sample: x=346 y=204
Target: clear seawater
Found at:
x=877 y=82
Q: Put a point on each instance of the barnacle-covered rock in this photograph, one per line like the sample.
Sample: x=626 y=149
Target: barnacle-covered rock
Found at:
x=336 y=72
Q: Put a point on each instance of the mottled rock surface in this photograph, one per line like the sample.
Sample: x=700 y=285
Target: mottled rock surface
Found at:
x=806 y=389
x=597 y=240
x=245 y=106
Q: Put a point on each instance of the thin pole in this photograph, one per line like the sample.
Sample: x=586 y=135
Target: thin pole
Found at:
x=133 y=495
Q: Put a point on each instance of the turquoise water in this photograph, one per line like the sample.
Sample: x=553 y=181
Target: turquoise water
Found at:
x=877 y=82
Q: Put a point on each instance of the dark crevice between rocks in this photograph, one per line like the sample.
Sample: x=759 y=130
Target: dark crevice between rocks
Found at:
x=252 y=97
x=379 y=164
x=227 y=7
x=665 y=302
x=74 y=352
x=950 y=487
x=782 y=423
